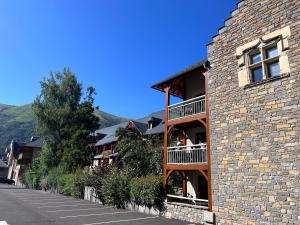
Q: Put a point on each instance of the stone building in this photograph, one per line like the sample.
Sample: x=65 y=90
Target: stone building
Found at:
x=254 y=93
x=251 y=117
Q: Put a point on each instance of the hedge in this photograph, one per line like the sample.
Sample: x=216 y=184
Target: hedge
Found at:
x=147 y=191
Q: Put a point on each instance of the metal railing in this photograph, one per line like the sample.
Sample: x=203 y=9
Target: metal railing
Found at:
x=189 y=154
x=203 y=203
x=187 y=108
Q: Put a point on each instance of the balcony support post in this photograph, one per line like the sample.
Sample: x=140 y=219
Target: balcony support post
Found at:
x=184 y=185
x=166 y=134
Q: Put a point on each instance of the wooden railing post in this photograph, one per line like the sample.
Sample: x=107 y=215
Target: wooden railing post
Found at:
x=167 y=103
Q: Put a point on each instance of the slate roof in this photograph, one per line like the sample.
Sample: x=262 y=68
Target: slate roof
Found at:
x=108 y=134
x=160 y=85
x=38 y=143
x=159 y=129
x=3 y=164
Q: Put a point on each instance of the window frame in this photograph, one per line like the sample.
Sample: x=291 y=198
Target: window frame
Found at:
x=265 y=61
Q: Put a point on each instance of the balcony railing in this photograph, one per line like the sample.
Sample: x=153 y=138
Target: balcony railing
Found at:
x=187 y=108
x=189 y=154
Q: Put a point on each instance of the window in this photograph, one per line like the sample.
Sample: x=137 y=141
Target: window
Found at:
x=150 y=124
x=264 y=62
x=264 y=58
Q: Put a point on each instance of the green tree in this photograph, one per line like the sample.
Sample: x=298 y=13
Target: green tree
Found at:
x=139 y=155
x=64 y=119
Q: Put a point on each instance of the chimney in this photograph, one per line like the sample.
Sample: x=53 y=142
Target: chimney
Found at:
x=33 y=138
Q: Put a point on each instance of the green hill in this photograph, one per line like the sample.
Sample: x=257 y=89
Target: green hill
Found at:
x=17 y=122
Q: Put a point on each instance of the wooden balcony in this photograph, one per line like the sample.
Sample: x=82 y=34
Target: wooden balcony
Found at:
x=187 y=155
x=190 y=107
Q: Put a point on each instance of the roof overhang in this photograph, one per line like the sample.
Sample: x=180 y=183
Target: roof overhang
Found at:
x=177 y=79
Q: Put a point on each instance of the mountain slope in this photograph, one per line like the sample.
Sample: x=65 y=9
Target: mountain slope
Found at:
x=17 y=122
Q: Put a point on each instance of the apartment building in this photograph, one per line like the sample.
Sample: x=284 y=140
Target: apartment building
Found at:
x=245 y=100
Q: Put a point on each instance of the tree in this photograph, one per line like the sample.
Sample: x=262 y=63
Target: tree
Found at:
x=138 y=154
x=64 y=119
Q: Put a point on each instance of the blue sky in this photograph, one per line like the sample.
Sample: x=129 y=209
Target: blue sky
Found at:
x=121 y=47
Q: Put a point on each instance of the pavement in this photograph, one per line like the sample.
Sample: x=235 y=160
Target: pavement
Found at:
x=20 y=206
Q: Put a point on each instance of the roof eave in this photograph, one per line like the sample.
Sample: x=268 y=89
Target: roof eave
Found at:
x=203 y=63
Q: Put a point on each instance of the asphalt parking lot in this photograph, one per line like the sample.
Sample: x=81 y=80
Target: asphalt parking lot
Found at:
x=30 y=207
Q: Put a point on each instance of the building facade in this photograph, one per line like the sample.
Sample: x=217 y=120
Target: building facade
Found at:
x=246 y=99
x=254 y=93
x=187 y=143
x=3 y=169
x=107 y=137
x=19 y=156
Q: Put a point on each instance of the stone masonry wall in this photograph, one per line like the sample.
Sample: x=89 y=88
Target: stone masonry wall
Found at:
x=184 y=212
x=255 y=131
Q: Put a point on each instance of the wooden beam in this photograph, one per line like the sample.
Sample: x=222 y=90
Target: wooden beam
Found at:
x=170 y=128
x=170 y=173
x=204 y=174
x=203 y=123
x=184 y=182
x=167 y=103
x=188 y=119
x=180 y=167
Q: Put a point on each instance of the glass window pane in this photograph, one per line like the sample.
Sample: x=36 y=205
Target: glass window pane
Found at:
x=257 y=74
x=272 y=52
x=255 y=58
x=274 y=69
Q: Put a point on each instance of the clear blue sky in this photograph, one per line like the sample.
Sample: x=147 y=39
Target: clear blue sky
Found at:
x=121 y=47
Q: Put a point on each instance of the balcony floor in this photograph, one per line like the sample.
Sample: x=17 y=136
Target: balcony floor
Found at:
x=179 y=167
x=188 y=119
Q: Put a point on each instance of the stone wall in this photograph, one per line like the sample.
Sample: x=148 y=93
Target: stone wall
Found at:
x=90 y=195
x=255 y=131
x=189 y=213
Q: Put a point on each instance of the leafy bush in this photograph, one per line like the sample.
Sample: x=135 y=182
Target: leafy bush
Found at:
x=53 y=177
x=115 y=188
x=147 y=191
x=33 y=175
x=71 y=184
x=95 y=180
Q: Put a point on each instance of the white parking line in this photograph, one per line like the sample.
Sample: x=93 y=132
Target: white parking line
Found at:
x=42 y=199
x=59 y=206
x=71 y=210
x=120 y=221
x=45 y=203
x=98 y=214
x=3 y=223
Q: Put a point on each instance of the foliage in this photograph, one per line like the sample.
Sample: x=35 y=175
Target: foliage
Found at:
x=147 y=191
x=53 y=177
x=138 y=155
x=18 y=122
x=33 y=175
x=71 y=184
x=95 y=180
x=115 y=188
x=64 y=119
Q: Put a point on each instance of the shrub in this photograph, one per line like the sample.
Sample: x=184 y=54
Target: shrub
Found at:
x=95 y=180
x=53 y=178
x=32 y=175
x=115 y=188
x=147 y=191
x=71 y=184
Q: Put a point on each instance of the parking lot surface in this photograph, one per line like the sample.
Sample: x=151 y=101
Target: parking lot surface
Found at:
x=30 y=207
